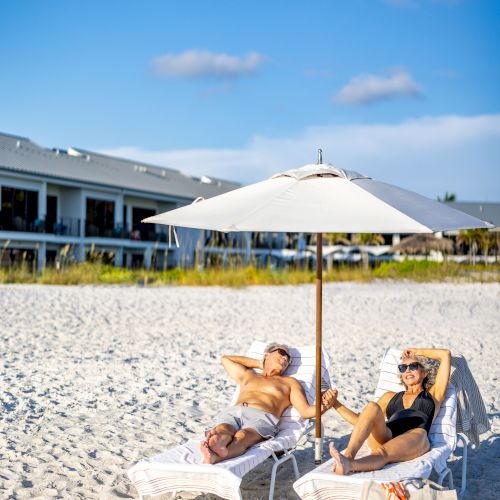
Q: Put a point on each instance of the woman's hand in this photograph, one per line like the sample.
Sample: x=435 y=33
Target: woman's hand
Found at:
x=409 y=352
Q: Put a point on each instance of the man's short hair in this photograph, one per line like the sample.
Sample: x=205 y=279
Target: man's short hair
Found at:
x=274 y=346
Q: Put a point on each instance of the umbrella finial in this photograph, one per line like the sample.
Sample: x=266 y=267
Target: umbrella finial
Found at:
x=320 y=157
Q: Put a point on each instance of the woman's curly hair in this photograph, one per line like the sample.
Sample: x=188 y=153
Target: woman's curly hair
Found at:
x=430 y=367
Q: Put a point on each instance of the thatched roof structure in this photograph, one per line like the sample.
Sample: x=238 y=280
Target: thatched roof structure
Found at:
x=422 y=244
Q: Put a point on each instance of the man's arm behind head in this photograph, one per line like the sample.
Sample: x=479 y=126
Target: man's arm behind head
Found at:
x=238 y=367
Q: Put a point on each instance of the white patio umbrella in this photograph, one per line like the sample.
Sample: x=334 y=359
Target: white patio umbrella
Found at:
x=319 y=199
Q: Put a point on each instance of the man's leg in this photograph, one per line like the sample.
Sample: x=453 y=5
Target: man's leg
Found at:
x=214 y=446
x=242 y=440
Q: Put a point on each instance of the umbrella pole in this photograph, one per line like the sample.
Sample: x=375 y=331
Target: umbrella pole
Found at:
x=318 y=442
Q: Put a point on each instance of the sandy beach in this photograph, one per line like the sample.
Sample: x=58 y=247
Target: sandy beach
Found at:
x=95 y=378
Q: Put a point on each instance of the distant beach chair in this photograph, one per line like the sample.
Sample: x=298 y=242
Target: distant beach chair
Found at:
x=180 y=468
x=321 y=483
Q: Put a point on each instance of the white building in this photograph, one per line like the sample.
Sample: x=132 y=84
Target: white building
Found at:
x=81 y=202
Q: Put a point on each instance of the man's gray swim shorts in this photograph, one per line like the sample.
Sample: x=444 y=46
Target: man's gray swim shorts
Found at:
x=245 y=417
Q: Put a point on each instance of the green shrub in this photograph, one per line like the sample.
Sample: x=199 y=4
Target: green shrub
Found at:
x=237 y=277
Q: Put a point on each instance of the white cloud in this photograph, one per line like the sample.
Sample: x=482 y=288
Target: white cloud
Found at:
x=429 y=155
x=203 y=63
x=366 y=89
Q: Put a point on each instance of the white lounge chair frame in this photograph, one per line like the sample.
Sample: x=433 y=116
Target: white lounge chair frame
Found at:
x=153 y=486
x=446 y=472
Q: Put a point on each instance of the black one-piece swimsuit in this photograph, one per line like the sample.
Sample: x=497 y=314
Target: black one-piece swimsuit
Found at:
x=418 y=416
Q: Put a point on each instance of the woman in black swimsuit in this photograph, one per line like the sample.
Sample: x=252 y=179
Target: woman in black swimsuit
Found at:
x=409 y=414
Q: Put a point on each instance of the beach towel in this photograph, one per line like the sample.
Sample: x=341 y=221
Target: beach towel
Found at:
x=472 y=419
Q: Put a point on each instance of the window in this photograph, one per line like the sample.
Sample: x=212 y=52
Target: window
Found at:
x=100 y=218
x=51 y=217
x=140 y=230
x=19 y=209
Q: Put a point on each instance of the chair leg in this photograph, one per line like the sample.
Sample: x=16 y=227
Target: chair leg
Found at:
x=446 y=472
x=273 y=480
x=277 y=462
x=295 y=467
x=464 y=463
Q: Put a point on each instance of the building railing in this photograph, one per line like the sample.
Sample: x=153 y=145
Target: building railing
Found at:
x=70 y=226
x=122 y=232
x=63 y=226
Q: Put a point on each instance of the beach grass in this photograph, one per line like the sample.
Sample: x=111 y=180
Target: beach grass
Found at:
x=96 y=273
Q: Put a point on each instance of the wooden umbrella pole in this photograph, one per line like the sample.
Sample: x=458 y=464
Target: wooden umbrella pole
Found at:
x=319 y=315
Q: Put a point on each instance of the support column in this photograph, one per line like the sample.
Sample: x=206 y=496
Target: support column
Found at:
x=83 y=213
x=147 y=257
x=42 y=201
x=119 y=257
x=80 y=252
x=129 y=217
x=41 y=256
x=119 y=210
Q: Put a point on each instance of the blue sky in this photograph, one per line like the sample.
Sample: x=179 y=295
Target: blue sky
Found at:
x=406 y=91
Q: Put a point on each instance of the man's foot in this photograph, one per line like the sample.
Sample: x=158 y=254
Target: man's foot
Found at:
x=218 y=442
x=208 y=456
x=342 y=465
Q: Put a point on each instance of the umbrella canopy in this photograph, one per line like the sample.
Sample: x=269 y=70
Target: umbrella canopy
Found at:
x=320 y=198
x=315 y=199
x=422 y=244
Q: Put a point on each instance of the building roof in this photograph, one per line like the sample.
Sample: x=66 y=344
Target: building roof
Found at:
x=487 y=211
x=22 y=155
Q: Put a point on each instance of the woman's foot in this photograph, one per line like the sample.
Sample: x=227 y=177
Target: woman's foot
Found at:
x=342 y=465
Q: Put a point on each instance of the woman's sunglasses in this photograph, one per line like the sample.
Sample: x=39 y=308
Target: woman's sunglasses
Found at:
x=282 y=352
x=412 y=366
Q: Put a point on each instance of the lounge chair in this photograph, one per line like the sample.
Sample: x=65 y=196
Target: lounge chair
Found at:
x=180 y=468
x=321 y=483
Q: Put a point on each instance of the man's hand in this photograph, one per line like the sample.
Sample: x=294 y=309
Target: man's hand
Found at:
x=328 y=399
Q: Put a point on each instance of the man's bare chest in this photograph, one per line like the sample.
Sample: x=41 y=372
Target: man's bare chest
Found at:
x=272 y=386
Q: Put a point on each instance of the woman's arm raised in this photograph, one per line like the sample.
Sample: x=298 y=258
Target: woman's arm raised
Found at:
x=438 y=390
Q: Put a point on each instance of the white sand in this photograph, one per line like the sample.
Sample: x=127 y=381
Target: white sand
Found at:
x=94 y=378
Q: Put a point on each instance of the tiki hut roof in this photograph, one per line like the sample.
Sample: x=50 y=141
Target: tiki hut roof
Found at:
x=422 y=244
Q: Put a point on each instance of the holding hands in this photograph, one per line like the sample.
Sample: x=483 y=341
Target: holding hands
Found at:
x=328 y=399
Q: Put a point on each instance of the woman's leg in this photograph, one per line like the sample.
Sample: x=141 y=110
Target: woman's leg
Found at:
x=371 y=422
x=407 y=446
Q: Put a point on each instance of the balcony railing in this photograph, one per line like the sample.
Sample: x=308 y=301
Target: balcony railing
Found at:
x=70 y=226
x=92 y=229
x=64 y=226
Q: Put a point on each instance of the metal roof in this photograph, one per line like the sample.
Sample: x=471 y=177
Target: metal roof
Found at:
x=487 y=211
x=22 y=155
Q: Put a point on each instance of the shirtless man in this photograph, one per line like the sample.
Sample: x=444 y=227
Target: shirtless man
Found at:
x=262 y=400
